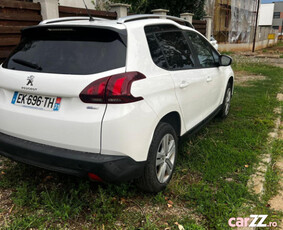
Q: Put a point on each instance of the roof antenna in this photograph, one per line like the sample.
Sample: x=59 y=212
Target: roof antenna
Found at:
x=90 y=17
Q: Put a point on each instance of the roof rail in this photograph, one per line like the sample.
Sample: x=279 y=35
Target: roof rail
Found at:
x=152 y=16
x=66 y=19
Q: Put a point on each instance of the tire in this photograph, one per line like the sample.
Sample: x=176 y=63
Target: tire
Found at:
x=159 y=167
x=224 y=112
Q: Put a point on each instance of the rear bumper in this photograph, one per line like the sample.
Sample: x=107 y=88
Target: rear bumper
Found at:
x=108 y=168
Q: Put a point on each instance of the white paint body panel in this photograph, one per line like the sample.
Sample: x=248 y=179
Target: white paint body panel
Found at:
x=73 y=127
x=128 y=130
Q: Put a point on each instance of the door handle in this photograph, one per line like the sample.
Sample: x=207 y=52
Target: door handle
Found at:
x=209 y=79
x=184 y=84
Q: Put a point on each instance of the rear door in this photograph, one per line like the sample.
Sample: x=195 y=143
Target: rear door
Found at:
x=189 y=82
x=41 y=81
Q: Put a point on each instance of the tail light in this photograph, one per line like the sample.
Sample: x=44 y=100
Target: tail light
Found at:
x=114 y=89
x=94 y=177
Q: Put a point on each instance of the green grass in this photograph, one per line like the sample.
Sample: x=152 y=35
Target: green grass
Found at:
x=210 y=179
x=227 y=53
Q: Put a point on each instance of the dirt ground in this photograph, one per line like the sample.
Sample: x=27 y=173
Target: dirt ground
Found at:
x=276 y=202
x=6 y=204
x=243 y=78
x=269 y=55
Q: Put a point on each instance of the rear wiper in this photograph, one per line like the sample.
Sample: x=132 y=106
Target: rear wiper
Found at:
x=26 y=63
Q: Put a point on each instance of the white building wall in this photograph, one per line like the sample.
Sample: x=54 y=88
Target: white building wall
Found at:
x=242 y=20
x=266 y=14
x=78 y=3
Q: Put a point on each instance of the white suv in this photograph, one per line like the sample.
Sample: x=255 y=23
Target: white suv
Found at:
x=108 y=99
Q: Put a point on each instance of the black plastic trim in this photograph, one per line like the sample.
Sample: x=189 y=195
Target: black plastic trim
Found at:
x=200 y=125
x=46 y=26
x=113 y=169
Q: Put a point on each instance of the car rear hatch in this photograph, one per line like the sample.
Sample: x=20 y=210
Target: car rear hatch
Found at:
x=41 y=81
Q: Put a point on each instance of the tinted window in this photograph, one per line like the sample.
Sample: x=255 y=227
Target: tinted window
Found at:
x=204 y=50
x=156 y=52
x=68 y=51
x=176 y=50
x=216 y=56
x=169 y=49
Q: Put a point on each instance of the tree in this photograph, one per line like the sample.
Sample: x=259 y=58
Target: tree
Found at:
x=175 y=7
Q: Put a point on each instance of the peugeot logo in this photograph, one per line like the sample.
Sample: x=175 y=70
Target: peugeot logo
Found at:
x=30 y=80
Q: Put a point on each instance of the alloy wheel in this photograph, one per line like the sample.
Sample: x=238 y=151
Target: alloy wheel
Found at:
x=165 y=158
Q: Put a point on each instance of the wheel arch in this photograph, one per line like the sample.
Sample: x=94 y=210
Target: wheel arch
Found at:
x=174 y=119
x=231 y=81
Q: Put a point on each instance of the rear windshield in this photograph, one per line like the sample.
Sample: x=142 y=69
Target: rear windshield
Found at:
x=69 y=51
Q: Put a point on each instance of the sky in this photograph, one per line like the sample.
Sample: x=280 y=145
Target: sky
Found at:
x=270 y=1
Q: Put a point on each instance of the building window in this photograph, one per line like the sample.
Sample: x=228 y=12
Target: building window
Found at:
x=276 y=15
x=276 y=27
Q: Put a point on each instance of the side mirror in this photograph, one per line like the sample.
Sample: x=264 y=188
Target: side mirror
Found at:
x=225 y=60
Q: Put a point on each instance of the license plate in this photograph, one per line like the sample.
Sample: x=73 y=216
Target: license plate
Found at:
x=36 y=101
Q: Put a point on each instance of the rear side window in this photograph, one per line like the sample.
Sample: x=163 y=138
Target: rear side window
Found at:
x=156 y=53
x=169 y=49
x=69 y=51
